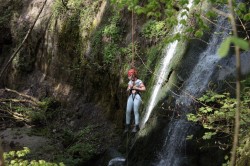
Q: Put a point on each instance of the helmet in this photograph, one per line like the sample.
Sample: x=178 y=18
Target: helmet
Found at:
x=132 y=72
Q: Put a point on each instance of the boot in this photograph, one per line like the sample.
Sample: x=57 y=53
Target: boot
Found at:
x=136 y=129
x=126 y=128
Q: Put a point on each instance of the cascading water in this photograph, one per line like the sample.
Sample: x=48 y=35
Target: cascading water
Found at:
x=200 y=76
x=173 y=150
x=169 y=52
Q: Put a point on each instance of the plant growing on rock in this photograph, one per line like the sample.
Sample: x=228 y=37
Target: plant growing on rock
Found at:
x=216 y=115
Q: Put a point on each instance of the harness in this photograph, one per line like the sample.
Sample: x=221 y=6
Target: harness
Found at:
x=134 y=94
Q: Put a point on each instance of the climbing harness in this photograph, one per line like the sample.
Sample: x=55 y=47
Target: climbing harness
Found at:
x=133 y=72
x=134 y=94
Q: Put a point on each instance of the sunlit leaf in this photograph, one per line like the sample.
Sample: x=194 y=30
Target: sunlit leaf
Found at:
x=198 y=33
x=247 y=17
x=189 y=137
x=209 y=109
x=211 y=14
x=243 y=44
x=224 y=47
x=208 y=135
x=242 y=7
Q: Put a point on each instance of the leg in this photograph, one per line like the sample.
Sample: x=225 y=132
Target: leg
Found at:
x=129 y=109
x=137 y=103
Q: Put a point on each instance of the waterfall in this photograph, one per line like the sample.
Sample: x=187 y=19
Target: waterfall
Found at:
x=173 y=150
x=201 y=74
x=169 y=52
x=118 y=161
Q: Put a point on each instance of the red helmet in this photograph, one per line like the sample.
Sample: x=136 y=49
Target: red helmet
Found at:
x=132 y=72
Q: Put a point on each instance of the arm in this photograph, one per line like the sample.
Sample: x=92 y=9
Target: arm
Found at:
x=141 y=88
x=129 y=87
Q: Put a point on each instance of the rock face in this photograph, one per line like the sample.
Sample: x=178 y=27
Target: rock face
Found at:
x=56 y=58
x=17 y=138
x=63 y=59
x=52 y=64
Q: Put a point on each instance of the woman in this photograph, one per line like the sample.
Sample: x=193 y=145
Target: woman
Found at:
x=135 y=86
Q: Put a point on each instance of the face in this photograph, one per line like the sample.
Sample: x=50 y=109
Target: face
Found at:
x=131 y=77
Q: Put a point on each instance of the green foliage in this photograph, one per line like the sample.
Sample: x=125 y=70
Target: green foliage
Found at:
x=129 y=3
x=79 y=146
x=221 y=110
x=15 y=158
x=155 y=30
x=112 y=30
x=244 y=150
x=199 y=33
x=110 y=52
x=79 y=23
x=208 y=135
x=47 y=111
x=83 y=151
x=152 y=8
x=243 y=44
x=112 y=34
x=225 y=45
x=189 y=137
x=192 y=117
x=58 y=8
x=87 y=16
x=224 y=48
x=217 y=114
x=106 y=41
x=242 y=11
x=218 y=1
x=247 y=17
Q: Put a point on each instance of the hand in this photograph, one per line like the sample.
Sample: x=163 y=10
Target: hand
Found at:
x=135 y=88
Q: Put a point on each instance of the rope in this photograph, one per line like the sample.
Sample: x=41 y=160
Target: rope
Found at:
x=127 y=150
x=133 y=48
x=130 y=139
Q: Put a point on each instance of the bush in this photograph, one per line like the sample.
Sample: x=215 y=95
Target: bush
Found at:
x=16 y=158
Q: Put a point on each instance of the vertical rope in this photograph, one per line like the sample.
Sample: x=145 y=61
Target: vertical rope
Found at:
x=133 y=48
x=127 y=150
x=132 y=66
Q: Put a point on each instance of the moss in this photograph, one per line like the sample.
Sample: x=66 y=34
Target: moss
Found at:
x=74 y=24
x=7 y=10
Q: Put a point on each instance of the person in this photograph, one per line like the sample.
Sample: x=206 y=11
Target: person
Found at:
x=135 y=86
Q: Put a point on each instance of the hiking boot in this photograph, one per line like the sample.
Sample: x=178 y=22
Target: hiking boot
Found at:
x=136 y=129
x=126 y=128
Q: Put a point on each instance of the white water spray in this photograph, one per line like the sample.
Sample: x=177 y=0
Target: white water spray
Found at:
x=169 y=52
